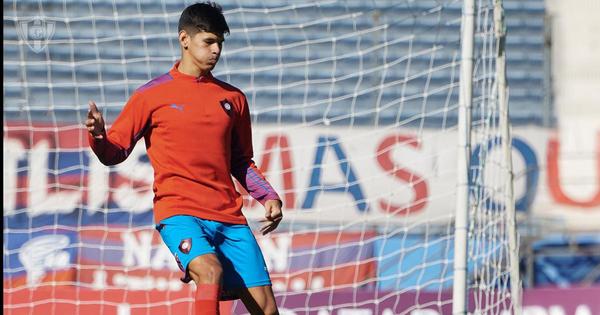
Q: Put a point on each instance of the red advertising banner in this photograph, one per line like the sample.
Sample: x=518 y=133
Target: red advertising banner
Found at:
x=74 y=300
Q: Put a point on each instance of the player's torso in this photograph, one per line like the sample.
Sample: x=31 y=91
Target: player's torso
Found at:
x=191 y=121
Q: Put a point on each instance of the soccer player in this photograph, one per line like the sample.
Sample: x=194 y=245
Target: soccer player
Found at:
x=197 y=134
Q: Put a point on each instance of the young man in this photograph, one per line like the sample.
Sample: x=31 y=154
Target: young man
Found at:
x=197 y=134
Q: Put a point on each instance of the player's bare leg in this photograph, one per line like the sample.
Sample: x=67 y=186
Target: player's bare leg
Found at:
x=259 y=300
x=206 y=271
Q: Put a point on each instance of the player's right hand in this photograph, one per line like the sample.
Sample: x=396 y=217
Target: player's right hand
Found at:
x=95 y=122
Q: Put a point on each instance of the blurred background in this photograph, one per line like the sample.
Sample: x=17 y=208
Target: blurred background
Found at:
x=392 y=65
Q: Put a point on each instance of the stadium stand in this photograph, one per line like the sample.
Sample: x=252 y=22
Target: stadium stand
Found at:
x=110 y=48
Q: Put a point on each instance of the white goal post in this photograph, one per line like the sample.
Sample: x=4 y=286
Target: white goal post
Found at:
x=467 y=208
x=382 y=124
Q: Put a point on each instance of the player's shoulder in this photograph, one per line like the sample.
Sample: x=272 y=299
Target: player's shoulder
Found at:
x=228 y=88
x=154 y=83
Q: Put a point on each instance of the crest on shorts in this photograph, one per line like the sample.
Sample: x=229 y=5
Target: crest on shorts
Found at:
x=185 y=246
x=226 y=105
x=36 y=32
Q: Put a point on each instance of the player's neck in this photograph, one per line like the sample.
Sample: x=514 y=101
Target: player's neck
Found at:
x=187 y=66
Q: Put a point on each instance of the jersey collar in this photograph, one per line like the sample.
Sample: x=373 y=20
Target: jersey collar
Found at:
x=174 y=72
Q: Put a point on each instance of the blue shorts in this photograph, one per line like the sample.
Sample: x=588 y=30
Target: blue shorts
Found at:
x=188 y=237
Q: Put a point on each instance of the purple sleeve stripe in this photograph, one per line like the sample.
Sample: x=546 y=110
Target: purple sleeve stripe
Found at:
x=257 y=184
x=156 y=81
x=257 y=180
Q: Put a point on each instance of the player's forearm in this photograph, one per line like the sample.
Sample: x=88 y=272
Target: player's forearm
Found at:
x=107 y=152
x=255 y=183
x=258 y=187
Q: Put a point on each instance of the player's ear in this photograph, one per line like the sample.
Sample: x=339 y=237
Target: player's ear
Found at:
x=184 y=39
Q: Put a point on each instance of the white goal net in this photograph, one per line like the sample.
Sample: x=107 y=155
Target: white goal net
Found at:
x=354 y=108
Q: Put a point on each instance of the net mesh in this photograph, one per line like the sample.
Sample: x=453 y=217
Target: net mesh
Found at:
x=354 y=111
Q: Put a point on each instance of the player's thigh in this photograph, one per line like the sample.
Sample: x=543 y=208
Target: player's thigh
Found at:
x=259 y=300
x=205 y=269
x=186 y=239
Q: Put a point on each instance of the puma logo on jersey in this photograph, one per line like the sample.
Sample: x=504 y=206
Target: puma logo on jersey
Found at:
x=177 y=107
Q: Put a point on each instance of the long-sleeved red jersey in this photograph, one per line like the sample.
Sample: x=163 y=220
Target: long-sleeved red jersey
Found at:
x=197 y=133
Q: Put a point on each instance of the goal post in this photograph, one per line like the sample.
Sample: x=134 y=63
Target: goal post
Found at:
x=461 y=221
x=466 y=207
x=382 y=124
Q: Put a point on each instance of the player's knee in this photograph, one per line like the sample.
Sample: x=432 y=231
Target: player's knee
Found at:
x=270 y=309
x=205 y=271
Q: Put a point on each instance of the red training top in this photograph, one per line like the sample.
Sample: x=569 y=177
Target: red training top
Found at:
x=197 y=133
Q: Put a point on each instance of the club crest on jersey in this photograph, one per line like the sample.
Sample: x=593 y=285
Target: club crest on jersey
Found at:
x=227 y=107
x=185 y=246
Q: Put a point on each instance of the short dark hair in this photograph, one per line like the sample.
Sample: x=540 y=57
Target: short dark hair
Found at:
x=205 y=16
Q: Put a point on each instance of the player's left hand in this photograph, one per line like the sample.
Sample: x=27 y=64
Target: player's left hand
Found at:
x=273 y=216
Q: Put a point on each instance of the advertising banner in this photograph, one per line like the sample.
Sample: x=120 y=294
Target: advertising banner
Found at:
x=72 y=300
x=69 y=220
x=335 y=175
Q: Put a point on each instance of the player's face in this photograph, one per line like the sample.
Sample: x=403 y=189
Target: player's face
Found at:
x=205 y=49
